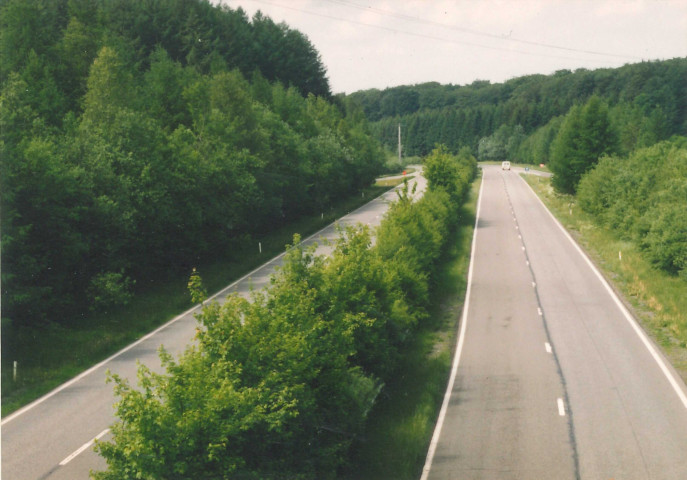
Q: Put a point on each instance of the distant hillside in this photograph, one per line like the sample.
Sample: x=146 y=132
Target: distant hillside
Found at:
x=647 y=101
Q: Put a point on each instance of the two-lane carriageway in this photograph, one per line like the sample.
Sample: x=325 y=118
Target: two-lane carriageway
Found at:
x=552 y=376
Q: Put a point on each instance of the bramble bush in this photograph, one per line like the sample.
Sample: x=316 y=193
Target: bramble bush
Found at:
x=280 y=386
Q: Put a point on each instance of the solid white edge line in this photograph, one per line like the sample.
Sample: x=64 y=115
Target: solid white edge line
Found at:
x=85 y=373
x=83 y=448
x=459 y=350
x=628 y=316
x=561 y=407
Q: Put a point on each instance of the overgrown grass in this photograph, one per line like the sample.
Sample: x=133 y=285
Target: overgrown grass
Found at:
x=401 y=424
x=658 y=299
x=50 y=355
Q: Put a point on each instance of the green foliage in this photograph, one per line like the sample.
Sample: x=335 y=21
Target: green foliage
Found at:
x=450 y=172
x=131 y=138
x=196 y=288
x=585 y=136
x=642 y=197
x=280 y=387
x=648 y=103
x=110 y=290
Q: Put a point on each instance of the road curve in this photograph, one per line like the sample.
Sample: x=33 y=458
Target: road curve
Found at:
x=52 y=437
x=552 y=377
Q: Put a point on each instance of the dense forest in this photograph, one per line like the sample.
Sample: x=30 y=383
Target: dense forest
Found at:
x=647 y=102
x=281 y=387
x=614 y=138
x=141 y=136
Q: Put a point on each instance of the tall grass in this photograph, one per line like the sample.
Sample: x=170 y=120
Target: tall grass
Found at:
x=49 y=355
x=401 y=424
x=658 y=299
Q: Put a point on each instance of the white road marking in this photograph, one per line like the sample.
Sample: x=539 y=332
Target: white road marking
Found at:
x=523 y=249
x=534 y=284
x=83 y=447
x=539 y=311
x=561 y=407
x=548 y=348
x=459 y=350
x=626 y=313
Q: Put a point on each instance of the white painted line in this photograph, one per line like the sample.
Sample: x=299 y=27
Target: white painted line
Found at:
x=628 y=316
x=520 y=237
x=539 y=311
x=527 y=262
x=548 y=348
x=561 y=407
x=534 y=284
x=459 y=350
x=523 y=249
x=83 y=447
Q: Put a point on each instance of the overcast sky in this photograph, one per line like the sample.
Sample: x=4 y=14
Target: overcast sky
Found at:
x=383 y=43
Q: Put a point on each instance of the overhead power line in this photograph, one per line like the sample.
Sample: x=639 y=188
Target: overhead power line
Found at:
x=508 y=38
x=447 y=40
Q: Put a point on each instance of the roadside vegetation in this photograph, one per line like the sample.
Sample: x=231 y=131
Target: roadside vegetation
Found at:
x=401 y=424
x=139 y=140
x=283 y=385
x=49 y=355
x=629 y=258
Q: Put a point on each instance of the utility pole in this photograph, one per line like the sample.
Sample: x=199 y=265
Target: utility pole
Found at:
x=399 y=144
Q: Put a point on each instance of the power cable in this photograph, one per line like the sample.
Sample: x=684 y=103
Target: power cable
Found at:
x=509 y=38
x=431 y=37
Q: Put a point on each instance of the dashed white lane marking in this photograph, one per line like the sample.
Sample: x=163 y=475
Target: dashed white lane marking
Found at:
x=83 y=447
x=523 y=249
x=548 y=348
x=672 y=380
x=534 y=284
x=561 y=407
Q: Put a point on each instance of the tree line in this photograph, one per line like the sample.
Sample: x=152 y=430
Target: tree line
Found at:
x=647 y=103
x=281 y=386
x=139 y=138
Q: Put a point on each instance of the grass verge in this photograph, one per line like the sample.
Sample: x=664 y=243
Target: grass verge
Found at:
x=658 y=299
x=401 y=424
x=48 y=356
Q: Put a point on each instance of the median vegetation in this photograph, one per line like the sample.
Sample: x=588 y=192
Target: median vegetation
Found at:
x=282 y=386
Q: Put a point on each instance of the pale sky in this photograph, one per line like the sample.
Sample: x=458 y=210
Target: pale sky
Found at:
x=384 y=43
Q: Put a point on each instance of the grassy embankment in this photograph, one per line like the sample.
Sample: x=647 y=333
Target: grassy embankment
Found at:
x=658 y=299
x=51 y=355
x=401 y=424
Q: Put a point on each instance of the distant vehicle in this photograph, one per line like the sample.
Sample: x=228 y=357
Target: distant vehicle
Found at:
x=505 y=165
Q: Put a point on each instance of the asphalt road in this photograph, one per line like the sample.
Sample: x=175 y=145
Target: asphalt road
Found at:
x=52 y=437
x=552 y=377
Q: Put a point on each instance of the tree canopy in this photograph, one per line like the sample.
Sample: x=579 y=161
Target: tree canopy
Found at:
x=140 y=137
x=647 y=103
x=281 y=386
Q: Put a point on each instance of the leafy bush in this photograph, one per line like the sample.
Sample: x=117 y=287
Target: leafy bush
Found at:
x=110 y=290
x=643 y=197
x=279 y=387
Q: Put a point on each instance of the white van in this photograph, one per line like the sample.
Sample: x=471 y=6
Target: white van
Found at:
x=505 y=165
